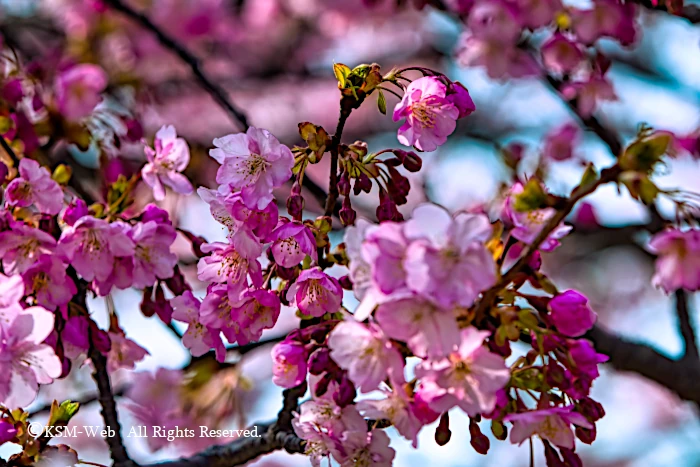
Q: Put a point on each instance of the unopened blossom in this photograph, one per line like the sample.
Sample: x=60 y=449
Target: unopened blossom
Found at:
x=26 y=362
x=561 y=55
x=79 y=89
x=559 y=143
x=447 y=260
x=584 y=358
x=365 y=353
x=360 y=270
x=552 y=424
x=226 y=264
x=230 y=210
x=22 y=245
x=166 y=163
x=458 y=95
x=430 y=116
x=570 y=313
x=254 y=162
x=427 y=329
x=34 y=186
x=469 y=377
x=123 y=353
x=48 y=281
x=152 y=256
x=198 y=338
x=91 y=245
x=256 y=311
x=74 y=211
x=678 y=259
x=315 y=293
x=398 y=409
x=288 y=364
x=7 y=432
x=292 y=242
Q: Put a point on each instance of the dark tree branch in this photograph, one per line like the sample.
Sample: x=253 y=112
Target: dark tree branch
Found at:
x=334 y=149
x=216 y=91
x=109 y=408
x=11 y=154
x=687 y=331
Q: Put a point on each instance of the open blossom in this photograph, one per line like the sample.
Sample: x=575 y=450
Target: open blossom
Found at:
x=198 y=338
x=288 y=364
x=447 y=260
x=561 y=55
x=123 y=353
x=528 y=224
x=678 y=262
x=384 y=249
x=230 y=210
x=500 y=60
x=254 y=162
x=26 y=362
x=166 y=162
x=360 y=270
x=226 y=264
x=34 y=186
x=78 y=90
x=152 y=256
x=11 y=292
x=48 y=281
x=552 y=424
x=21 y=246
x=292 y=242
x=589 y=93
x=398 y=409
x=366 y=353
x=559 y=144
x=606 y=18
x=92 y=244
x=256 y=311
x=216 y=310
x=469 y=377
x=315 y=293
x=427 y=329
x=430 y=116
x=366 y=449
x=570 y=313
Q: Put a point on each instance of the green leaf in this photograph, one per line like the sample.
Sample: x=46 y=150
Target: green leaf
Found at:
x=381 y=102
x=590 y=175
x=60 y=415
x=341 y=73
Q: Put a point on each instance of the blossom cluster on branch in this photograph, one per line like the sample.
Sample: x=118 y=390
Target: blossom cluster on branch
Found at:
x=443 y=297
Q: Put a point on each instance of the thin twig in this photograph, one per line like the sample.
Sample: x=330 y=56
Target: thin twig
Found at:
x=214 y=90
x=335 y=147
x=685 y=325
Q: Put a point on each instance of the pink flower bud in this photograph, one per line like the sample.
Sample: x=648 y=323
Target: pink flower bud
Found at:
x=289 y=364
x=570 y=313
x=347 y=213
x=75 y=211
x=442 y=432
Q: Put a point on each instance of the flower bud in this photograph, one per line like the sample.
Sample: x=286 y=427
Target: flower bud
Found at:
x=319 y=361
x=571 y=459
x=4 y=172
x=75 y=211
x=479 y=441
x=362 y=183
x=196 y=242
x=346 y=393
x=570 y=313
x=442 y=432
x=153 y=213
x=347 y=213
x=556 y=377
x=344 y=184
x=322 y=385
x=499 y=430
x=590 y=409
x=177 y=283
x=551 y=456
x=295 y=206
x=345 y=282
x=387 y=211
x=586 y=435
x=458 y=95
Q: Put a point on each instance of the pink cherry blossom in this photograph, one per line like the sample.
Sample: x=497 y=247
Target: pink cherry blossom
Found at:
x=254 y=162
x=91 y=245
x=360 y=270
x=494 y=21
x=397 y=408
x=226 y=264
x=459 y=96
x=288 y=364
x=216 y=311
x=384 y=249
x=500 y=61
x=11 y=292
x=559 y=143
x=315 y=293
x=21 y=246
x=366 y=353
x=292 y=242
x=447 y=261
x=152 y=256
x=34 y=186
x=256 y=311
x=165 y=164
x=570 y=313
x=26 y=362
x=229 y=210
x=48 y=281
x=198 y=338
x=552 y=424
x=535 y=14
x=427 y=329
x=606 y=18
x=588 y=94
x=678 y=262
x=78 y=90
x=561 y=55
x=430 y=116
x=74 y=211
x=123 y=353
x=585 y=359
x=366 y=449
x=469 y=378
